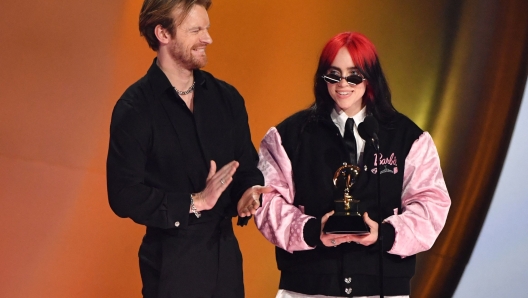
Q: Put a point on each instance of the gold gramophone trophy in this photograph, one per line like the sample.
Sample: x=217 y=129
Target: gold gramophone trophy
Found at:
x=346 y=218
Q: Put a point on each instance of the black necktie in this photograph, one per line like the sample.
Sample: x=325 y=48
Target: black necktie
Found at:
x=350 y=141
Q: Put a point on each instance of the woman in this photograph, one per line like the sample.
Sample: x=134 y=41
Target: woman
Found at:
x=299 y=158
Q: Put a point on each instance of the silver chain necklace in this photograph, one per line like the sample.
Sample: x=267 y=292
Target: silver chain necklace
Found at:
x=186 y=91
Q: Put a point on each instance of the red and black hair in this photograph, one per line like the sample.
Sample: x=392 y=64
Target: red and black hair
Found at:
x=363 y=53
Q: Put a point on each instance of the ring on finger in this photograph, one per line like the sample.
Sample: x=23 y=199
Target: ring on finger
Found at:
x=222 y=181
x=333 y=242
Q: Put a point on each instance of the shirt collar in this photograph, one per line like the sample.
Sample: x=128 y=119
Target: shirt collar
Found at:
x=340 y=117
x=160 y=82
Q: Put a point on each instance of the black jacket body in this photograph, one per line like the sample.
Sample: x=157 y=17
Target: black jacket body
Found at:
x=316 y=150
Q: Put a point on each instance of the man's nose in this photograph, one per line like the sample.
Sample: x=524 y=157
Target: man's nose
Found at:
x=206 y=38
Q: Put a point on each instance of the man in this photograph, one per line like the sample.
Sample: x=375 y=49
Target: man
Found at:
x=181 y=161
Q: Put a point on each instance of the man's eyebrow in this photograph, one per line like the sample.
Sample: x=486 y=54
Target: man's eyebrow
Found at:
x=199 y=27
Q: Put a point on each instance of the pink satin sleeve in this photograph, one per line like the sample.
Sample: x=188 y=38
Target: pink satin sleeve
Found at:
x=278 y=219
x=425 y=200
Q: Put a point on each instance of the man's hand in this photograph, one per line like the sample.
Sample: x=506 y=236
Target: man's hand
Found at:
x=249 y=202
x=215 y=185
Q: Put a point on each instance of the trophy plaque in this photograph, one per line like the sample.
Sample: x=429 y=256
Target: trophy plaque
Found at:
x=346 y=218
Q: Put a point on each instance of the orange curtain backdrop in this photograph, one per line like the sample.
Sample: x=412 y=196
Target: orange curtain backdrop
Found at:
x=58 y=237
x=63 y=64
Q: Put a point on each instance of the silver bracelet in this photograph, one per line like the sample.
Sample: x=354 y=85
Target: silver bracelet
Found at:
x=193 y=208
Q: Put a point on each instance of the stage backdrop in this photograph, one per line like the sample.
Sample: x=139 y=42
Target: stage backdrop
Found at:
x=457 y=68
x=497 y=267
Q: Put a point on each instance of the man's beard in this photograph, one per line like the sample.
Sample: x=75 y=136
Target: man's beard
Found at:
x=185 y=58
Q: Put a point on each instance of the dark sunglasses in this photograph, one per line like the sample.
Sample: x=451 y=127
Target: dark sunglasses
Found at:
x=351 y=79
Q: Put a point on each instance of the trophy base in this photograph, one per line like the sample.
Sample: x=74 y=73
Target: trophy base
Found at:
x=346 y=225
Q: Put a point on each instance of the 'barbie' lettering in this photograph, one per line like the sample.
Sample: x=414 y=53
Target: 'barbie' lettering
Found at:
x=385 y=161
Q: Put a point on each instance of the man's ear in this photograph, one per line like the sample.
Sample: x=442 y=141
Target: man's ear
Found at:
x=162 y=34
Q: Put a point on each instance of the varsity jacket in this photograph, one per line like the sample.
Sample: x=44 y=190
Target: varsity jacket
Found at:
x=298 y=159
